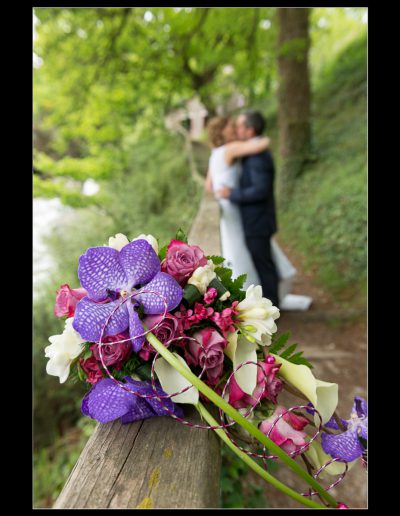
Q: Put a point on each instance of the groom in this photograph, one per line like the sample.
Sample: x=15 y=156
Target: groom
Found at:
x=255 y=196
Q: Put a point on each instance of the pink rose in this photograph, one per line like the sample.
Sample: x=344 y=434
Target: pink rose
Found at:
x=287 y=432
x=167 y=330
x=182 y=260
x=92 y=369
x=273 y=385
x=67 y=299
x=211 y=355
x=113 y=354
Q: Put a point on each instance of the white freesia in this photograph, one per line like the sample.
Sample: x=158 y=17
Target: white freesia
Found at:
x=150 y=239
x=118 y=241
x=323 y=395
x=62 y=351
x=316 y=455
x=225 y=296
x=203 y=276
x=240 y=350
x=172 y=381
x=257 y=315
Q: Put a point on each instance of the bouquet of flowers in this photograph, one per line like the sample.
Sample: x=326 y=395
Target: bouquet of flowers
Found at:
x=151 y=329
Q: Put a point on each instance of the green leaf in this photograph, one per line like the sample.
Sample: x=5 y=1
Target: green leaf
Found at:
x=238 y=282
x=144 y=371
x=300 y=361
x=81 y=372
x=288 y=351
x=87 y=354
x=217 y=260
x=279 y=342
x=181 y=235
x=191 y=294
x=219 y=287
x=162 y=253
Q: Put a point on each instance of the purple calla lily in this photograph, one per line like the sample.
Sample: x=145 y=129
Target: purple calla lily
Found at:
x=347 y=445
x=107 y=401
x=109 y=276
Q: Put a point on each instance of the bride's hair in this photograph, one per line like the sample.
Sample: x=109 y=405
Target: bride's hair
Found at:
x=215 y=129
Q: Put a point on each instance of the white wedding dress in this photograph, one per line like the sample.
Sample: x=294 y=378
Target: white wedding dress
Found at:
x=233 y=242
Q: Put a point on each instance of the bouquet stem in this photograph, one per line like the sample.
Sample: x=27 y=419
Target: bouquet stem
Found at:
x=251 y=429
x=253 y=465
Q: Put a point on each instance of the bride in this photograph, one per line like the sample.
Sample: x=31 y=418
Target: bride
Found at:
x=224 y=169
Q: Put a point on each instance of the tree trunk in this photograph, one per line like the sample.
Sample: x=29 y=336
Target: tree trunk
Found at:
x=293 y=95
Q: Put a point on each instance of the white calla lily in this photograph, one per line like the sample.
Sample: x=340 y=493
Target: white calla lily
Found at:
x=172 y=381
x=316 y=455
x=240 y=350
x=323 y=395
x=118 y=241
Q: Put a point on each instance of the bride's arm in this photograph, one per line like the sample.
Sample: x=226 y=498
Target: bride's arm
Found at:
x=238 y=149
x=208 y=183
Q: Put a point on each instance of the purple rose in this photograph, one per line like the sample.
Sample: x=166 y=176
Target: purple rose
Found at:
x=211 y=355
x=167 y=330
x=113 y=354
x=182 y=260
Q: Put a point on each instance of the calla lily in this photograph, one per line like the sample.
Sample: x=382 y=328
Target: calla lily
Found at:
x=323 y=395
x=316 y=455
x=172 y=381
x=240 y=350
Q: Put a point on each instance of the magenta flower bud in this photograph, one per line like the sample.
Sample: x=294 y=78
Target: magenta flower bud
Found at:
x=342 y=505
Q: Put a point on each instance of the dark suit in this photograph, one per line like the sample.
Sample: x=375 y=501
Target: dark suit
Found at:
x=255 y=195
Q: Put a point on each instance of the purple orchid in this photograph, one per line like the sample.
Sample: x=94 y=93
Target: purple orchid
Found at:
x=109 y=276
x=347 y=445
x=107 y=401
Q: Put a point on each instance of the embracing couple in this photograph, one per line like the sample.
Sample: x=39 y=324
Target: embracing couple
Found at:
x=241 y=175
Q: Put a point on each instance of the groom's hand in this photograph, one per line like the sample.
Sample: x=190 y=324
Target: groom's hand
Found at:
x=224 y=192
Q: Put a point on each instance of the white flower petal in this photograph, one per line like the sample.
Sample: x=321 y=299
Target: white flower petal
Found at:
x=118 y=242
x=240 y=350
x=62 y=351
x=172 y=381
x=246 y=376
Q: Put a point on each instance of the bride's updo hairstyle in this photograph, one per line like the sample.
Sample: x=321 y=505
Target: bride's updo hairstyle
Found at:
x=215 y=128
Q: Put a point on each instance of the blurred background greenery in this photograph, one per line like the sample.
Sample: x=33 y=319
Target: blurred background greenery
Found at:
x=107 y=160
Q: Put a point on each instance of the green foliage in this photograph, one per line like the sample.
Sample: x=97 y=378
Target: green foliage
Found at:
x=53 y=464
x=327 y=218
x=239 y=488
x=234 y=286
x=118 y=87
x=217 y=260
x=181 y=235
x=279 y=341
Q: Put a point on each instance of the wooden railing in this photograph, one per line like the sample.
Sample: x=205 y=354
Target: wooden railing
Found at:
x=155 y=463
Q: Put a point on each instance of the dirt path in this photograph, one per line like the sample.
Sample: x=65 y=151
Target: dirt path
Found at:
x=335 y=341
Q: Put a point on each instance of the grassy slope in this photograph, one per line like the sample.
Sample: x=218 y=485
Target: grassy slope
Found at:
x=327 y=219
